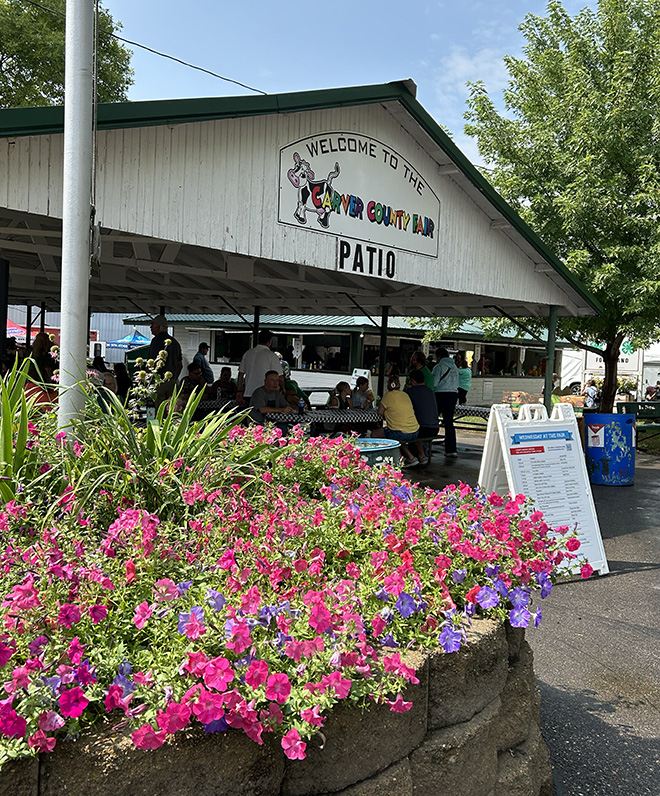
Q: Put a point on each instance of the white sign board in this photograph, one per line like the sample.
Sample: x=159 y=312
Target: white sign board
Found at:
x=542 y=458
x=359 y=189
x=629 y=360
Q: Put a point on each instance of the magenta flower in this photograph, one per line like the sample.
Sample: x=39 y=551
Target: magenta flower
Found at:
x=148 y=738
x=320 y=618
x=41 y=742
x=256 y=674
x=218 y=674
x=293 y=747
x=209 y=707
x=73 y=702
x=175 y=717
x=398 y=705
x=586 y=571
x=6 y=651
x=98 y=613
x=165 y=590
x=312 y=716
x=278 y=688
x=113 y=698
x=240 y=638
x=75 y=651
x=69 y=615
x=142 y=613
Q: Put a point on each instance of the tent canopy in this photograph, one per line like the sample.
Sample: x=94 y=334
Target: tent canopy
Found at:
x=132 y=340
x=323 y=202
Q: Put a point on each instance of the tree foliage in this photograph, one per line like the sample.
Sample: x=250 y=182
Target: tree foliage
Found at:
x=32 y=56
x=577 y=153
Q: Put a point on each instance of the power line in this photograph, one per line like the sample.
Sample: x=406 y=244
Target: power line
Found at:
x=157 y=52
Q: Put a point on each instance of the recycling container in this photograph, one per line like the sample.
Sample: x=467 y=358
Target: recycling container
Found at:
x=609 y=445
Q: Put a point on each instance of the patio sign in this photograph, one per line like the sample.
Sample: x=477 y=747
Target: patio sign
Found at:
x=363 y=192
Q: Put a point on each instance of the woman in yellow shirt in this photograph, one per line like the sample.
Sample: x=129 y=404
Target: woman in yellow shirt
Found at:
x=397 y=409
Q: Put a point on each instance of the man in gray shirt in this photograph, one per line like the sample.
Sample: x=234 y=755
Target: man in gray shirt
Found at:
x=268 y=399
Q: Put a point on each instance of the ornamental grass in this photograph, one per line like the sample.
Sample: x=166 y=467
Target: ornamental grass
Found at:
x=228 y=576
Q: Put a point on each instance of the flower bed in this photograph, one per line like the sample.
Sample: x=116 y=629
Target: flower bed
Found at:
x=224 y=577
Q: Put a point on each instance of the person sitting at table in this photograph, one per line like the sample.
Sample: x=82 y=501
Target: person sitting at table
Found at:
x=340 y=397
x=194 y=381
x=362 y=396
x=426 y=412
x=397 y=409
x=224 y=388
x=292 y=391
x=269 y=400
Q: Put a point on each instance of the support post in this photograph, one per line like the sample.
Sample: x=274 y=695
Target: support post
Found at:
x=4 y=302
x=42 y=322
x=383 y=350
x=28 y=328
x=255 y=325
x=76 y=215
x=550 y=353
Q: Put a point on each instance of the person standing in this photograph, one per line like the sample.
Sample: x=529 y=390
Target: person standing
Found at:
x=464 y=377
x=201 y=360
x=163 y=340
x=255 y=364
x=418 y=362
x=445 y=387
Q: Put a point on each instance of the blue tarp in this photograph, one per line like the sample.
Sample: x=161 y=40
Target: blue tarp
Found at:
x=132 y=340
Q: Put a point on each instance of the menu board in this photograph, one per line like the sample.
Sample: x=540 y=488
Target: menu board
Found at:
x=542 y=458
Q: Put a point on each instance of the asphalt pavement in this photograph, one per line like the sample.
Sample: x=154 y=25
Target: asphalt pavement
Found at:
x=597 y=650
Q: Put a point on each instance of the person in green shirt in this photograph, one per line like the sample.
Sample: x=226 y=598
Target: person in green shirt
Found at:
x=418 y=362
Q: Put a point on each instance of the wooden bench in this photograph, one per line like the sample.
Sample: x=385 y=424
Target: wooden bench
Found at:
x=646 y=411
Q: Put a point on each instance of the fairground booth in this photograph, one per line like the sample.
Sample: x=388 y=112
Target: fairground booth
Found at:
x=341 y=202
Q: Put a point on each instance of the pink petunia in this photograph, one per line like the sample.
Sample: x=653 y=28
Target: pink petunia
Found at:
x=278 y=688
x=73 y=702
x=193 y=628
x=240 y=638
x=312 y=716
x=142 y=613
x=165 y=590
x=175 y=717
x=218 y=674
x=573 y=544
x=320 y=618
x=75 y=651
x=6 y=651
x=586 y=571
x=49 y=721
x=293 y=747
x=69 y=615
x=41 y=742
x=148 y=738
x=398 y=705
x=98 y=613
x=113 y=698
x=256 y=674
x=209 y=707
x=196 y=663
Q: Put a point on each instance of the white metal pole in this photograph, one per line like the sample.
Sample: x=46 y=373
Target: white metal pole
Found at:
x=78 y=110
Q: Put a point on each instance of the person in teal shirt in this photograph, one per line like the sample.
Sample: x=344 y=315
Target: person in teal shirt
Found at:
x=464 y=377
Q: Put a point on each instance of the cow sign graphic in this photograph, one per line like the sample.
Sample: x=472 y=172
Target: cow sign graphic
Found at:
x=320 y=192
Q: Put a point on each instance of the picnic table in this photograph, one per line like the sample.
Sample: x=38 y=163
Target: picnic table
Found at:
x=360 y=419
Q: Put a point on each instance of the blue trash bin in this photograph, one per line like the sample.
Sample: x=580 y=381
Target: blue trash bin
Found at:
x=609 y=444
x=378 y=451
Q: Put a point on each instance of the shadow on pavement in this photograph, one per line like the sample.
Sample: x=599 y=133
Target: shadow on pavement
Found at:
x=592 y=756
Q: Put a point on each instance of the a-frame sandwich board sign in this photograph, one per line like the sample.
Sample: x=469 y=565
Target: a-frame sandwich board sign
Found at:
x=542 y=458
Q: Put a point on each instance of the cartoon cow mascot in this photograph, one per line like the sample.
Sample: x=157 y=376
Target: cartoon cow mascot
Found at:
x=301 y=176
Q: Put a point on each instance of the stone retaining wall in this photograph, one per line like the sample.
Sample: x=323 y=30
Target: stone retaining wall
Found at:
x=473 y=730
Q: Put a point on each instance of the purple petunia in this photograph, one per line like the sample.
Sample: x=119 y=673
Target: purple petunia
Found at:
x=501 y=587
x=458 y=575
x=219 y=725
x=487 y=597
x=545 y=583
x=402 y=492
x=405 y=605
x=450 y=639
x=519 y=617
x=388 y=641
x=519 y=597
x=215 y=599
x=537 y=617
x=183 y=587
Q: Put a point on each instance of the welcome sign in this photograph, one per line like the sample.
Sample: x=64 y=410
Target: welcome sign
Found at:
x=354 y=186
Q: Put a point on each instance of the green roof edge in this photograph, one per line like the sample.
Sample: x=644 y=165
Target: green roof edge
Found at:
x=19 y=122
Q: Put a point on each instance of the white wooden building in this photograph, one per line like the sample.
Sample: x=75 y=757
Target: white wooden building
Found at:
x=338 y=201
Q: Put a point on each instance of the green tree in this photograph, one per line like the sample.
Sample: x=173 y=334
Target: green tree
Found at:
x=577 y=153
x=32 y=56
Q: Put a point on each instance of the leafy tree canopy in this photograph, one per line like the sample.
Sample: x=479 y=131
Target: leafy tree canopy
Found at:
x=577 y=153
x=32 y=56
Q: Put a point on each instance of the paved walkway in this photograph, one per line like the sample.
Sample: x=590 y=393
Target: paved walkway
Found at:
x=597 y=651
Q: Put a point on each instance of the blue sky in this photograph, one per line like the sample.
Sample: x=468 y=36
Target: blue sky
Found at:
x=282 y=46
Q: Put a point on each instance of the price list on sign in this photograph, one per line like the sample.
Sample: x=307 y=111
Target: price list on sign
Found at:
x=542 y=458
